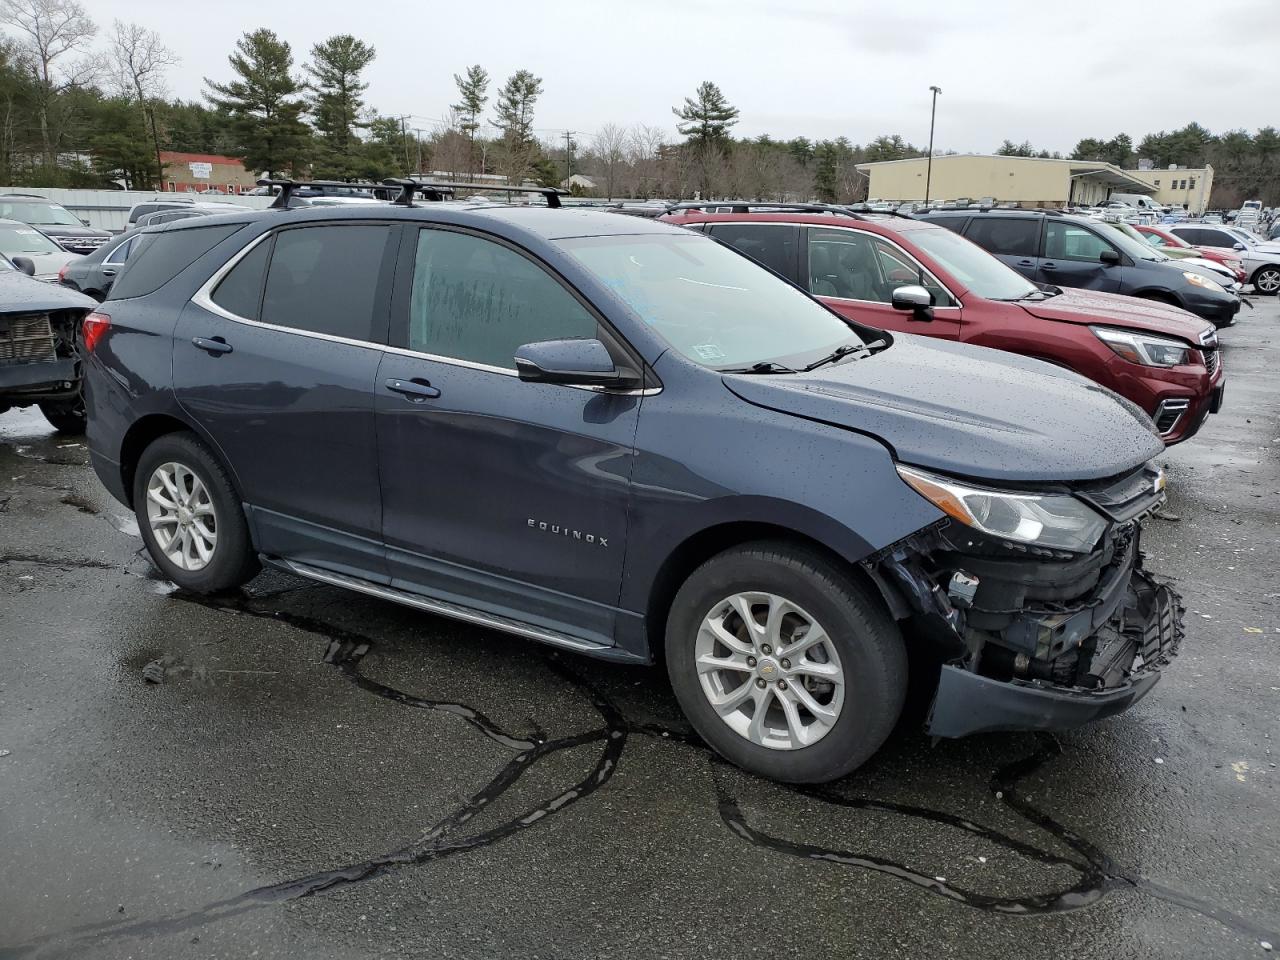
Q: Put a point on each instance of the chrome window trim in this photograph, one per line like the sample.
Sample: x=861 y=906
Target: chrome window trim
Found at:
x=906 y=253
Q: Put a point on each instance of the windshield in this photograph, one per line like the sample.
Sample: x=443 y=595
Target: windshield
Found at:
x=1130 y=241
x=19 y=241
x=45 y=214
x=1244 y=235
x=971 y=265
x=713 y=304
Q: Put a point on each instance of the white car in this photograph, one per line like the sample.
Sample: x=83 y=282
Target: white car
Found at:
x=19 y=241
x=1261 y=258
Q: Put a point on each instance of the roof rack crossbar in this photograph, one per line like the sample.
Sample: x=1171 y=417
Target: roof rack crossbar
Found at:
x=553 y=194
x=406 y=186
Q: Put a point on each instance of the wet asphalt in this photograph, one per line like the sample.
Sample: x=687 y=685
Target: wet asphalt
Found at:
x=323 y=775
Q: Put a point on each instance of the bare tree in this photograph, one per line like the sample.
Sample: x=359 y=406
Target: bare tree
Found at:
x=140 y=60
x=51 y=30
x=610 y=144
x=645 y=155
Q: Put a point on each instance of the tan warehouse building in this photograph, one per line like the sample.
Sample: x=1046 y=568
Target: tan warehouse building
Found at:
x=1026 y=181
x=1180 y=186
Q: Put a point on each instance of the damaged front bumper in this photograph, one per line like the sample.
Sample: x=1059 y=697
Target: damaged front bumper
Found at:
x=1032 y=641
x=1131 y=647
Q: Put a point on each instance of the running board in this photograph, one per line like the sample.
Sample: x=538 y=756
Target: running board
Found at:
x=452 y=610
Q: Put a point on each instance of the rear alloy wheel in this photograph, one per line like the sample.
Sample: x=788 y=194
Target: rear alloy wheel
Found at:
x=783 y=663
x=190 y=516
x=1267 y=281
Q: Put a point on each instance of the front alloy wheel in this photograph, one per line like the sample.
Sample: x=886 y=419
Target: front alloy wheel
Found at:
x=182 y=516
x=769 y=670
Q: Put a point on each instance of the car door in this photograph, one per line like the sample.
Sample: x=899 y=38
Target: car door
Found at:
x=275 y=359
x=855 y=273
x=503 y=496
x=1013 y=240
x=1073 y=258
x=775 y=245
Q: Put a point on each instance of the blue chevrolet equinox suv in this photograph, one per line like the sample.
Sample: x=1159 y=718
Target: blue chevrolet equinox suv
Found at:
x=625 y=439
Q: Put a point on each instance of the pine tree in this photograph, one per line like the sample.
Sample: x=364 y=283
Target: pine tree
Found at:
x=265 y=112
x=473 y=95
x=514 y=118
x=335 y=71
x=707 y=115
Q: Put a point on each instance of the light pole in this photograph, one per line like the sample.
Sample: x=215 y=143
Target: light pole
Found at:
x=933 y=113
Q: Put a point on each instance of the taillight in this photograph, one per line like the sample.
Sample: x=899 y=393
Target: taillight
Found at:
x=92 y=329
x=62 y=274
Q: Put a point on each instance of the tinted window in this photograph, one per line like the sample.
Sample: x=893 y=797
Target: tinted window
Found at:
x=164 y=255
x=477 y=300
x=121 y=253
x=774 y=245
x=240 y=291
x=1217 y=238
x=1012 y=236
x=953 y=221
x=325 y=280
x=1068 y=241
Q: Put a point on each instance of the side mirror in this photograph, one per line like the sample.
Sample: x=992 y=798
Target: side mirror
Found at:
x=914 y=298
x=26 y=265
x=576 y=362
x=1239 y=246
x=1110 y=257
x=84 y=221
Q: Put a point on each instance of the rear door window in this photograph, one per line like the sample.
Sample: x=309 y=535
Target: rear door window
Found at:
x=772 y=244
x=326 y=280
x=1011 y=236
x=158 y=257
x=954 y=222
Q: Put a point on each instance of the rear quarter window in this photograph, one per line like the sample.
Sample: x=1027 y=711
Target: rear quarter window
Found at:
x=158 y=257
x=1011 y=236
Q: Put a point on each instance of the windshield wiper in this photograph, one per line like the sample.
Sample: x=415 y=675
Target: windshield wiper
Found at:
x=836 y=355
x=765 y=366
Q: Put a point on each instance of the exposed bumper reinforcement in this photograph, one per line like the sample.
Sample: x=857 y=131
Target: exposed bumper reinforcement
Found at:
x=968 y=702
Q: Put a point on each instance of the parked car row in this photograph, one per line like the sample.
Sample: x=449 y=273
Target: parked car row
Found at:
x=910 y=275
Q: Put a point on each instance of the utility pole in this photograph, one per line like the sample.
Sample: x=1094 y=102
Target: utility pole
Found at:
x=417 y=134
x=404 y=139
x=568 y=157
x=933 y=113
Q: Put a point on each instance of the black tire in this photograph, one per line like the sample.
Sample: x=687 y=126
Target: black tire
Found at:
x=867 y=641
x=233 y=561
x=1268 y=276
x=67 y=416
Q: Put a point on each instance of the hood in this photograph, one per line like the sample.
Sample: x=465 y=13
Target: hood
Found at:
x=1077 y=305
x=67 y=230
x=969 y=411
x=22 y=294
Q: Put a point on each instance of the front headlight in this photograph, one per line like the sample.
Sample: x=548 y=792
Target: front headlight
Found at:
x=1198 y=280
x=1144 y=348
x=1055 y=521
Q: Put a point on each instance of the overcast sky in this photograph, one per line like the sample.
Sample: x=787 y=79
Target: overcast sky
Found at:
x=1050 y=73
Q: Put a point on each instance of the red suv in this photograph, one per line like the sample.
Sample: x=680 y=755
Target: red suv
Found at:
x=906 y=275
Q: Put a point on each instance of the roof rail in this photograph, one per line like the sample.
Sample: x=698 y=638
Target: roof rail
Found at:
x=859 y=210
x=407 y=188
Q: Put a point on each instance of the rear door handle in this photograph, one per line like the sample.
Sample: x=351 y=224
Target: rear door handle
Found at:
x=1049 y=266
x=106 y=272
x=416 y=390
x=212 y=345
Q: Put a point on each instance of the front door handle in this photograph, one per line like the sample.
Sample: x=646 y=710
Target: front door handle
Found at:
x=212 y=345
x=416 y=390
x=1026 y=263
x=108 y=272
